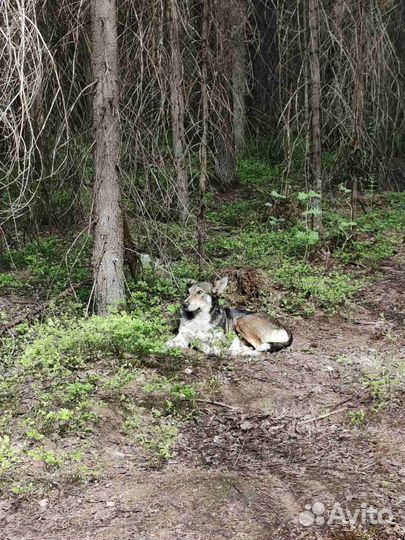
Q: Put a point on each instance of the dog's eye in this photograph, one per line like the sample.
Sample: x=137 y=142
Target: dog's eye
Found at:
x=199 y=292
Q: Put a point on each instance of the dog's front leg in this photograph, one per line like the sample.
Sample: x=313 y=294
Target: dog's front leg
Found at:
x=237 y=348
x=181 y=341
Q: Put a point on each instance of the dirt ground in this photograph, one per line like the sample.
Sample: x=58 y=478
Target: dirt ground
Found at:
x=280 y=450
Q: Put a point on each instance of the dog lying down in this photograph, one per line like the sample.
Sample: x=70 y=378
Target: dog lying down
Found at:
x=204 y=325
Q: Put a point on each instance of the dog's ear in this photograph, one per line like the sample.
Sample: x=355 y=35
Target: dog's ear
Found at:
x=190 y=283
x=220 y=285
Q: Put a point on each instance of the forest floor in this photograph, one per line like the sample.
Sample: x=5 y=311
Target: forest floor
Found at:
x=101 y=441
x=290 y=432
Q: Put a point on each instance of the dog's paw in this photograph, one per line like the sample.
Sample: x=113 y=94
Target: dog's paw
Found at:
x=238 y=348
x=251 y=353
x=176 y=343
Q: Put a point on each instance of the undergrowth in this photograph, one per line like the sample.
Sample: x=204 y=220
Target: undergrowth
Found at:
x=62 y=377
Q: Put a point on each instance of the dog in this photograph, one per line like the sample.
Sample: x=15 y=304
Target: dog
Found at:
x=204 y=324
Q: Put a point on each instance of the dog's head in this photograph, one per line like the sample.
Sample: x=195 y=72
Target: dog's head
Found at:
x=201 y=295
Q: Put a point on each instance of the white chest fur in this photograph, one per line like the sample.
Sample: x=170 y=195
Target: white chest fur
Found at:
x=200 y=323
x=202 y=333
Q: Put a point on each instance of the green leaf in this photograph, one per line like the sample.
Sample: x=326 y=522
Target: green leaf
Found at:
x=312 y=212
x=276 y=195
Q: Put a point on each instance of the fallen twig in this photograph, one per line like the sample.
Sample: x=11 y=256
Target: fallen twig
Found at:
x=326 y=415
x=217 y=404
x=370 y=323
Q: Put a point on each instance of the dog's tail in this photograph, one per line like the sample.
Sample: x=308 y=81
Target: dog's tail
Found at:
x=280 y=346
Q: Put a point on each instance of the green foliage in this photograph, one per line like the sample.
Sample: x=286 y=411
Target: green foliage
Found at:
x=378 y=232
x=358 y=417
x=63 y=345
x=71 y=370
x=34 y=434
x=78 y=419
x=8 y=280
x=313 y=288
x=185 y=267
x=382 y=387
x=148 y=294
x=55 y=460
x=78 y=390
x=256 y=172
x=8 y=456
x=177 y=395
x=276 y=195
x=370 y=251
x=160 y=439
x=53 y=261
x=263 y=249
x=237 y=213
x=307 y=196
x=22 y=490
x=63 y=378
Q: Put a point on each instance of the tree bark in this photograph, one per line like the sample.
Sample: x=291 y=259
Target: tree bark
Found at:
x=178 y=112
x=265 y=59
x=130 y=255
x=201 y=233
x=225 y=164
x=316 y=158
x=358 y=109
x=108 y=251
x=239 y=79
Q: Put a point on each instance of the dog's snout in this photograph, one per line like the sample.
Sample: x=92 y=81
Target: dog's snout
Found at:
x=186 y=304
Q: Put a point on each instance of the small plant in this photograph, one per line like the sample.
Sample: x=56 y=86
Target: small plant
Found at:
x=382 y=388
x=34 y=434
x=8 y=455
x=160 y=439
x=133 y=420
x=256 y=172
x=124 y=375
x=54 y=460
x=358 y=417
x=177 y=395
x=344 y=360
x=237 y=213
x=78 y=390
x=213 y=387
x=22 y=490
x=8 y=280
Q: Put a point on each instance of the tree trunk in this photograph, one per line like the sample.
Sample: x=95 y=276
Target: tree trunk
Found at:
x=316 y=158
x=108 y=251
x=201 y=234
x=265 y=60
x=225 y=163
x=131 y=257
x=225 y=158
x=357 y=108
x=43 y=210
x=399 y=42
x=239 y=82
x=178 y=112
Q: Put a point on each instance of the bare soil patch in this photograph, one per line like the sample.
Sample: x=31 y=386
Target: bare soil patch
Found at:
x=274 y=435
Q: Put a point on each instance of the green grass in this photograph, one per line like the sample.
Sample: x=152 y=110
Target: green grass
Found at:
x=62 y=377
x=8 y=280
x=312 y=288
x=64 y=374
x=253 y=172
x=50 y=262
